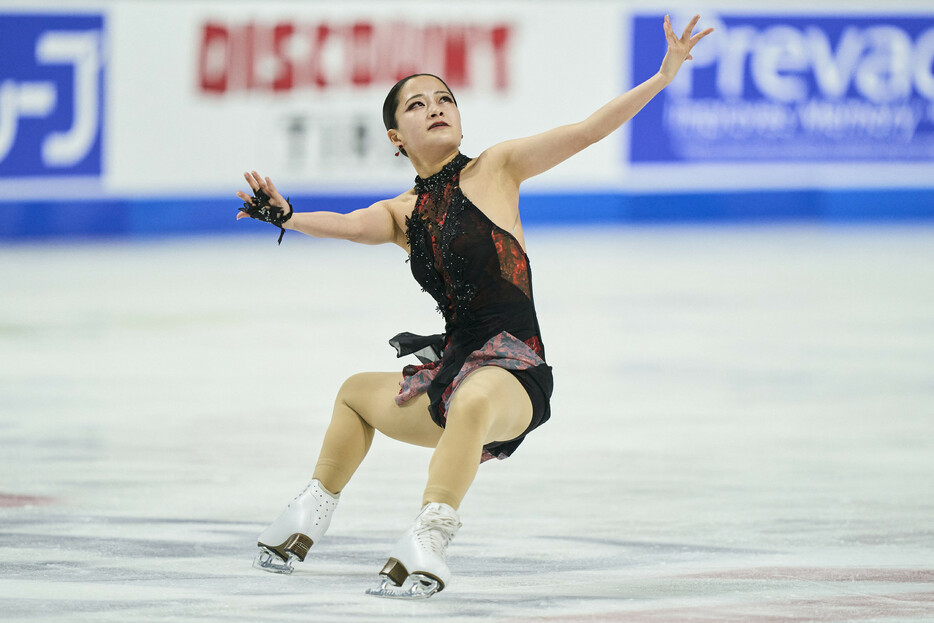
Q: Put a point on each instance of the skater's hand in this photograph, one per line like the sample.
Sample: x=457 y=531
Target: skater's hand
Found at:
x=679 y=50
x=264 y=184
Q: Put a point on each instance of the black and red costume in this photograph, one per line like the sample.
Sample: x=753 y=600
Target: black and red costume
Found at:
x=480 y=277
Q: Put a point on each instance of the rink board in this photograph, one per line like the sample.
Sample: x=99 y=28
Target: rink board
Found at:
x=110 y=111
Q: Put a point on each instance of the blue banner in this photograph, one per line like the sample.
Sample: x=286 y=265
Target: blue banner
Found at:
x=787 y=88
x=51 y=94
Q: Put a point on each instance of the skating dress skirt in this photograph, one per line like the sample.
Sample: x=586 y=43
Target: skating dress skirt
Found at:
x=480 y=277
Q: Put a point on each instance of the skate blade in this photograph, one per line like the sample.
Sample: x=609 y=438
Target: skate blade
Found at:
x=268 y=560
x=416 y=586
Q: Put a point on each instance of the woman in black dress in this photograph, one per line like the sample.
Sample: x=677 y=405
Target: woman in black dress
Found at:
x=484 y=384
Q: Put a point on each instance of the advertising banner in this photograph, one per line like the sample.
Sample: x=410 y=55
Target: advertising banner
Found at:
x=126 y=115
x=52 y=82
x=788 y=88
x=295 y=90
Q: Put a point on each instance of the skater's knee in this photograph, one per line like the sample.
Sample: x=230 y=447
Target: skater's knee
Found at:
x=474 y=401
x=482 y=393
x=355 y=387
x=471 y=407
x=351 y=398
x=492 y=403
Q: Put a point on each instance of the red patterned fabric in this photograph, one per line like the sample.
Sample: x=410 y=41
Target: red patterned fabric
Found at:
x=513 y=264
x=503 y=351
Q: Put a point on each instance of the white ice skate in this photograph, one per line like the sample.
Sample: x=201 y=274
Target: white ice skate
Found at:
x=300 y=526
x=416 y=568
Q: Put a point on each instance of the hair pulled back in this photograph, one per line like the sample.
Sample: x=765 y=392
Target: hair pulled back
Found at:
x=391 y=103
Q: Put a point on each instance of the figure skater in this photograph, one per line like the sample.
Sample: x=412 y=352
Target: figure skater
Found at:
x=483 y=385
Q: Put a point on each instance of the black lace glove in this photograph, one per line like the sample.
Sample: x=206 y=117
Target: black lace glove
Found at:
x=259 y=208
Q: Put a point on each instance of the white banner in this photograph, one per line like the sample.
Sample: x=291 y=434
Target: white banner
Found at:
x=201 y=91
x=158 y=98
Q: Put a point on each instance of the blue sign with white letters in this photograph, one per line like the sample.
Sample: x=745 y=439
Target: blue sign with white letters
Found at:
x=790 y=88
x=51 y=94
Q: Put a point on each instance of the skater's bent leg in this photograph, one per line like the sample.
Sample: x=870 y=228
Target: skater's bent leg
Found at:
x=366 y=402
x=489 y=405
x=345 y=445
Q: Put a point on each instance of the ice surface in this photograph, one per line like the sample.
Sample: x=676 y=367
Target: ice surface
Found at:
x=743 y=430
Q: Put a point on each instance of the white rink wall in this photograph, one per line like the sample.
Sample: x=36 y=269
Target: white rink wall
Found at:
x=136 y=102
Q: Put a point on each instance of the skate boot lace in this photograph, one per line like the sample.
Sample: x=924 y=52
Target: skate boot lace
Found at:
x=435 y=530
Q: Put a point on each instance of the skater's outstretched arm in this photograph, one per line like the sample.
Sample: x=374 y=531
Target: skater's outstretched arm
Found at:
x=375 y=224
x=527 y=157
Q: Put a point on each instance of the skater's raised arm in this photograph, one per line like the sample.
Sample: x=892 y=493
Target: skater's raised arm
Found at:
x=527 y=157
x=372 y=225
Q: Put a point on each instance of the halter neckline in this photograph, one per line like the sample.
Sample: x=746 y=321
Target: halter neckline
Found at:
x=447 y=171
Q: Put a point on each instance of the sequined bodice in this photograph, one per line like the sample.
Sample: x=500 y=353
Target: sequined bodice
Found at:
x=477 y=272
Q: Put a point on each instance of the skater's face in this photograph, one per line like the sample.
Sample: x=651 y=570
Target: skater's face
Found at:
x=426 y=116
